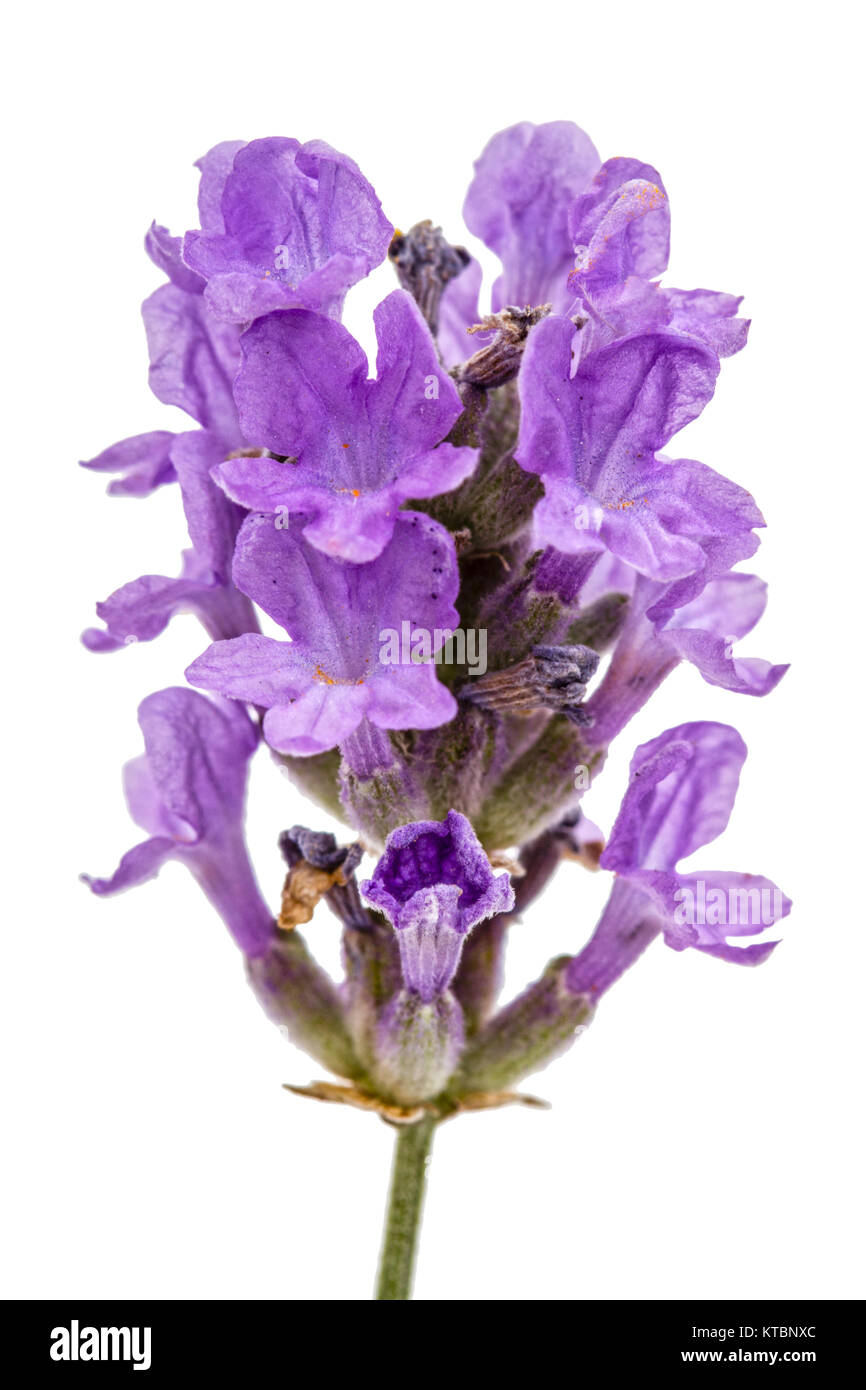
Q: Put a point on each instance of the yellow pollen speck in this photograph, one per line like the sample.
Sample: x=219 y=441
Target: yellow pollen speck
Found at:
x=324 y=679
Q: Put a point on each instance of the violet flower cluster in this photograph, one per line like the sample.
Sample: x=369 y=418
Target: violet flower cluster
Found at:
x=502 y=484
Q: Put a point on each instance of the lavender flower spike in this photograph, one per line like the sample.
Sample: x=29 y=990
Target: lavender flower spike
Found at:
x=284 y=225
x=389 y=525
x=355 y=449
x=680 y=796
x=187 y=792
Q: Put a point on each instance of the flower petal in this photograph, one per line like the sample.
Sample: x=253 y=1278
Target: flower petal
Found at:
x=681 y=792
x=518 y=202
x=320 y=718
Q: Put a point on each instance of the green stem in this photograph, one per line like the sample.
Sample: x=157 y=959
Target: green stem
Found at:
x=405 y=1202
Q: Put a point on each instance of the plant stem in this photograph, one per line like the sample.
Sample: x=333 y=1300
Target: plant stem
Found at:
x=405 y=1202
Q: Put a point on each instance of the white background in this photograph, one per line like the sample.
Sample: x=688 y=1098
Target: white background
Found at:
x=706 y=1134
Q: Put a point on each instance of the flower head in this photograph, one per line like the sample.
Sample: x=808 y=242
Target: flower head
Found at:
x=368 y=517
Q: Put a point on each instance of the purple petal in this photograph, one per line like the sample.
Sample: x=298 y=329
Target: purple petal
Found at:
x=141 y=610
x=236 y=297
x=704 y=630
x=694 y=500
x=321 y=686
x=144 y=460
x=299 y=390
x=430 y=940
x=620 y=227
x=357 y=448
x=434 y=883
x=702 y=910
x=251 y=667
x=165 y=252
x=146 y=805
x=198 y=752
x=713 y=658
x=709 y=315
x=721 y=553
x=592 y=438
x=323 y=716
x=680 y=796
x=404 y=697
x=518 y=202
x=213 y=521
x=297 y=225
x=458 y=312
x=194 y=781
x=413 y=402
x=727 y=607
x=629 y=923
x=193 y=359
x=215 y=167
x=634 y=531
x=140 y=864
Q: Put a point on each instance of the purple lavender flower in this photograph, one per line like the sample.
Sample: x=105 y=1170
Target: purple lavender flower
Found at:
x=143 y=462
x=620 y=234
x=318 y=689
x=681 y=792
x=357 y=448
x=619 y=227
x=518 y=204
x=193 y=361
x=661 y=630
x=434 y=883
x=165 y=250
x=283 y=225
x=585 y=237
x=295 y=485
x=187 y=792
x=140 y=610
x=593 y=439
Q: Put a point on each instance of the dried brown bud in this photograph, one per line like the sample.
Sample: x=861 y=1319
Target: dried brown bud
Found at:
x=425 y=263
x=499 y=360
